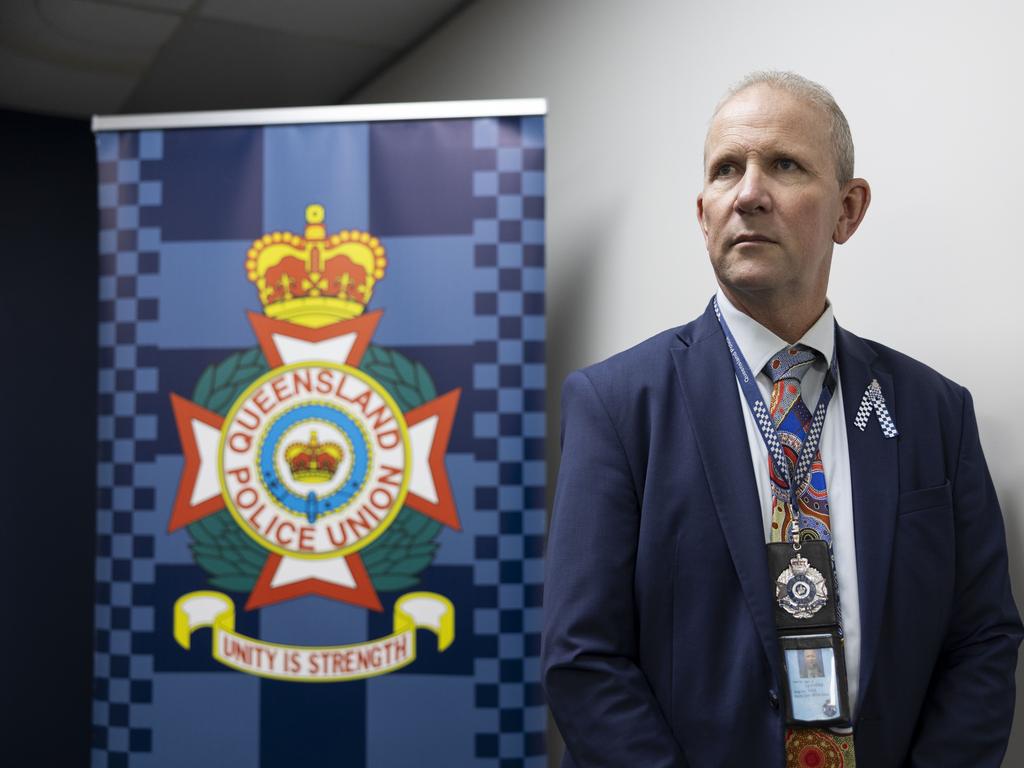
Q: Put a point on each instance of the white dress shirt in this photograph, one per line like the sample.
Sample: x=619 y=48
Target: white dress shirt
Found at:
x=758 y=345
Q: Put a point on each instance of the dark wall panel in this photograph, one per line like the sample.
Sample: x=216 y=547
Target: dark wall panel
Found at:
x=47 y=439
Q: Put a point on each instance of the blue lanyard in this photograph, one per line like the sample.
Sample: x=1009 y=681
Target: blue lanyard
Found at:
x=763 y=419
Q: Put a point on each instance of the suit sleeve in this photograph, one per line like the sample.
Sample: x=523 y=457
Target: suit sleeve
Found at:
x=599 y=697
x=966 y=717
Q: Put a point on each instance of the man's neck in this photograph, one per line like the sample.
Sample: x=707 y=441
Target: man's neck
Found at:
x=789 y=319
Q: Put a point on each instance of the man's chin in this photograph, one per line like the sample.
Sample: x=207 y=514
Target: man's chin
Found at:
x=751 y=281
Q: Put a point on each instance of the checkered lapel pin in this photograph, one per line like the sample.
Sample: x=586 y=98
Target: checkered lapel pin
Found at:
x=873 y=401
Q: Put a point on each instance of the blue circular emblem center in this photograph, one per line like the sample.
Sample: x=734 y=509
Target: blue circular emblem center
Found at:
x=311 y=505
x=801 y=590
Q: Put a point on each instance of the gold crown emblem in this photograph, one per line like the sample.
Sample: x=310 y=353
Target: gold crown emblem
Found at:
x=313 y=462
x=316 y=279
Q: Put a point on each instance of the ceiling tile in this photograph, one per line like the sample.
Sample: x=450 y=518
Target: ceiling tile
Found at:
x=216 y=65
x=394 y=23
x=74 y=57
x=82 y=25
x=177 y=6
x=34 y=85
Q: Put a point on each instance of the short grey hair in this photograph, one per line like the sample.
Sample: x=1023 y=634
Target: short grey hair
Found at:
x=814 y=93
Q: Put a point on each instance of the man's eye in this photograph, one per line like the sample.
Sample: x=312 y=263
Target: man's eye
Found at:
x=785 y=164
x=724 y=169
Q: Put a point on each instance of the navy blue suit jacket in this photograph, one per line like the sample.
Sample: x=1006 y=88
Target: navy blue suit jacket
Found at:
x=660 y=646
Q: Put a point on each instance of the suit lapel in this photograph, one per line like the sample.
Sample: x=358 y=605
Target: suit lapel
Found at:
x=874 y=475
x=706 y=377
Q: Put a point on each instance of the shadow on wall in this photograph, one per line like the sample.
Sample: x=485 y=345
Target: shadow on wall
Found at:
x=567 y=312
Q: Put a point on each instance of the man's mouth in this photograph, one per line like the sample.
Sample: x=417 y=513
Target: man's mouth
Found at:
x=751 y=238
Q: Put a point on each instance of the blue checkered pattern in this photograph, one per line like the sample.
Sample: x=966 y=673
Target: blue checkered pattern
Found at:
x=509 y=254
x=127 y=426
x=764 y=424
x=803 y=466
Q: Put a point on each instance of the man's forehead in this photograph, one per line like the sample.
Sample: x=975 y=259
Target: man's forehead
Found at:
x=763 y=101
x=762 y=114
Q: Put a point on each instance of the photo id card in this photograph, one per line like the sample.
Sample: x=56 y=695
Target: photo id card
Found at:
x=815 y=679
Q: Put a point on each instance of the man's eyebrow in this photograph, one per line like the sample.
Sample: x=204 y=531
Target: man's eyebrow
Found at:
x=721 y=153
x=794 y=150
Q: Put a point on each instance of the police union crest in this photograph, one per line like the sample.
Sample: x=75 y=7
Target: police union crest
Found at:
x=314 y=464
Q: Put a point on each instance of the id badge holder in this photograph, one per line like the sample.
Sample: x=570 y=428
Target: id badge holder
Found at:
x=814 y=661
x=816 y=684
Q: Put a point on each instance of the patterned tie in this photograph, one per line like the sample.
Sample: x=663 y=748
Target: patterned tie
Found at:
x=805 y=747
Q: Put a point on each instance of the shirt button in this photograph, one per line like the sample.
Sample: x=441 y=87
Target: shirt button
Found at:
x=773 y=699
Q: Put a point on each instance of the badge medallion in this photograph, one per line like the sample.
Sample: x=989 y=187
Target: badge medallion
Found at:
x=800 y=589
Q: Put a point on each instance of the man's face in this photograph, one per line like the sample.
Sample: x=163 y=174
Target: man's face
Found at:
x=771 y=200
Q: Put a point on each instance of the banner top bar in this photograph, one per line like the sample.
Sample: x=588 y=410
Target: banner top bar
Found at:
x=356 y=113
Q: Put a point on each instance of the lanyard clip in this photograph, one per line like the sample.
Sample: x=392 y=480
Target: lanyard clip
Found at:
x=794 y=532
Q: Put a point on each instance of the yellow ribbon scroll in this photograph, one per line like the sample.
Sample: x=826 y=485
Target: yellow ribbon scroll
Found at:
x=315 y=664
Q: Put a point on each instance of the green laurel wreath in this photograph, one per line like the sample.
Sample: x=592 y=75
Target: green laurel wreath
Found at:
x=394 y=561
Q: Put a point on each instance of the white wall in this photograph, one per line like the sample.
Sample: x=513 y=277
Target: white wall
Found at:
x=933 y=95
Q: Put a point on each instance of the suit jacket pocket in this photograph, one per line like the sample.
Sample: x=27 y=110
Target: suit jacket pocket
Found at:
x=926 y=498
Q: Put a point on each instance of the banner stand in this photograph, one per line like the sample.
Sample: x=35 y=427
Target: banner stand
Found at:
x=321 y=436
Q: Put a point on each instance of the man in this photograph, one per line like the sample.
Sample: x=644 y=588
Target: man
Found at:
x=661 y=643
x=811 y=666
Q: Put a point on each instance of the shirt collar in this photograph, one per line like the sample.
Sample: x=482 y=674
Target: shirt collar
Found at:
x=758 y=344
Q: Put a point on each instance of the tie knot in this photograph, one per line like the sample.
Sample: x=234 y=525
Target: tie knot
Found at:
x=790 y=362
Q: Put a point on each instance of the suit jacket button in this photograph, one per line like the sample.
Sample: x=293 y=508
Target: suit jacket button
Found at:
x=773 y=699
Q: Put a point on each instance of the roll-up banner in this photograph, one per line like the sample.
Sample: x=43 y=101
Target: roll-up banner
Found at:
x=321 y=437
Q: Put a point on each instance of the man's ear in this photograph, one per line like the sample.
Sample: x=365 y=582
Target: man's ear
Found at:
x=855 y=201
x=700 y=217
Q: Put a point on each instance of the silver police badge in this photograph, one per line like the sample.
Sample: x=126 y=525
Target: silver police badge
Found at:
x=800 y=589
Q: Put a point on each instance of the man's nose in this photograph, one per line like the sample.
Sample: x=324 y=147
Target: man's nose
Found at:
x=752 y=194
